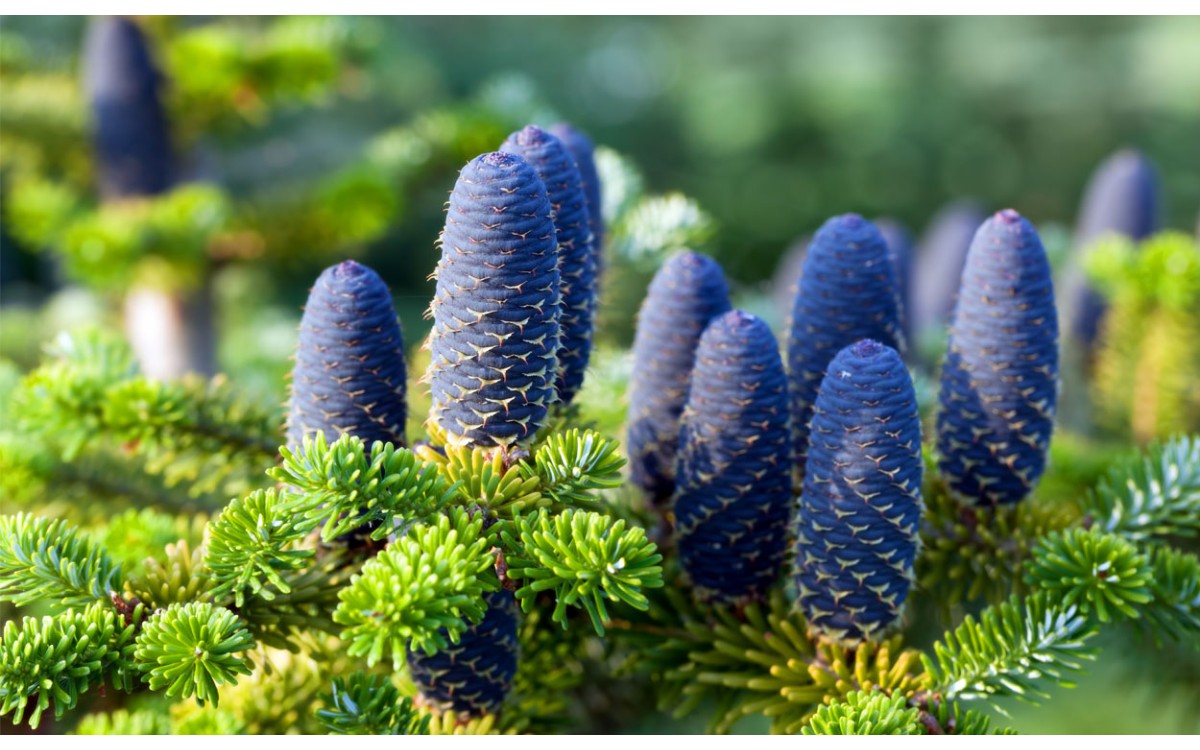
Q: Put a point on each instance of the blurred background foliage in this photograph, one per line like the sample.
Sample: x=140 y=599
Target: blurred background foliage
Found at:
x=301 y=141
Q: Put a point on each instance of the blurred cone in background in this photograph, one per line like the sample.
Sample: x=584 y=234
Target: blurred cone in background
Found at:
x=941 y=255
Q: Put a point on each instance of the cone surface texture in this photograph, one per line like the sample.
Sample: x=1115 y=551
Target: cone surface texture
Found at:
x=861 y=505
x=1000 y=377
x=847 y=292
x=576 y=256
x=130 y=132
x=583 y=151
x=474 y=675
x=496 y=311
x=1122 y=198
x=685 y=295
x=733 y=503
x=350 y=375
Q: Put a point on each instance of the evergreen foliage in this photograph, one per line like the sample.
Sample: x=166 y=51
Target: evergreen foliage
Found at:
x=192 y=649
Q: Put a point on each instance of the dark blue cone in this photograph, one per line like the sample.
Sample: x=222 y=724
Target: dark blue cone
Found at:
x=496 y=311
x=1122 y=198
x=941 y=254
x=583 y=151
x=130 y=133
x=861 y=504
x=1000 y=378
x=686 y=293
x=576 y=256
x=900 y=253
x=847 y=292
x=733 y=504
x=474 y=675
x=350 y=375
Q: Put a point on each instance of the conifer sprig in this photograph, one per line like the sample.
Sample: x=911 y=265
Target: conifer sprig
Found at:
x=585 y=558
x=1152 y=497
x=422 y=592
x=363 y=704
x=1099 y=573
x=250 y=544
x=571 y=464
x=42 y=559
x=193 y=649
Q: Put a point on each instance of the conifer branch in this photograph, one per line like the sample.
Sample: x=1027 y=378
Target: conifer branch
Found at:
x=192 y=649
x=572 y=464
x=1153 y=497
x=1094 y=571
x=365 y=704
x=44 y=559
x=250 y=545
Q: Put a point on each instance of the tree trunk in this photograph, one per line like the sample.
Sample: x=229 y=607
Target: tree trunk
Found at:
x=172 y=332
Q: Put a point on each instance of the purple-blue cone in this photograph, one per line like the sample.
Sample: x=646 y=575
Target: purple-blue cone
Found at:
x=861 y=504
x=1122 y=198
x=496 y=310
x=941 y=255
x=583 y=151
x=130 y=132
x=576 y=256
x=474 y=675
x=733 y=503
x=1000 y=378
x=349 y=376
x=847 y=292
x=685 y=295
x=900 y=252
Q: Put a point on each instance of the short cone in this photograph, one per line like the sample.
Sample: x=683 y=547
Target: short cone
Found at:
x=857 y=529
x=733 y=502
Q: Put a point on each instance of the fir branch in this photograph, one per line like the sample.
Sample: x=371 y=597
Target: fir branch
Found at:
x=370 y=705
x=344 y=489
x=59 y=658
x=1010 y=650
x=45 y=559
x=192 y=649
x=1093 y=571
x=1151 y=498
x=571 y=464
x=308 y=606
x=250 y=544
x=1175 y=609
x=178 y=579
x=481 y=477
x=422 y=592
x=866 y=713
x=585 y=558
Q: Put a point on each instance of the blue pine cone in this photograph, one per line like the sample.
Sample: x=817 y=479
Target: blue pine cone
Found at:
x=583 y=151
x=1122 y=198
x=733 y=502
x=349 y=376
x=576 y=256
x=496 y=311
x=861 y=504
x=1000 y=378
x=131 y=136
x=474 y=675
x=686 y=293
x=847 y=292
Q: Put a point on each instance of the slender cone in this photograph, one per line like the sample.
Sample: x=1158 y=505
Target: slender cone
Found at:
x=1000 y=377
x=1122 y=198
x=861 y=505
x=474 y=675
x=576 y=256
x=733 y=504
x=847 y=293
x=496 y=311
x=583 y=151
x=941 y=254
x=686 y=293
x=350 y=375
x=131 y=137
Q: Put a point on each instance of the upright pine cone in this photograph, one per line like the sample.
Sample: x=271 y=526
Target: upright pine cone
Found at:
x=131 y=136
x=349 y=376
x=941 y=254
x=900 y=252
x=474 y=675
x=861 y=504
x=583 y=152
x=733 y=504
x=1000 y=377
x=847 y=292
x=496 y=310
x=686 y=293
x=1122 y=198
x=576 y=256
